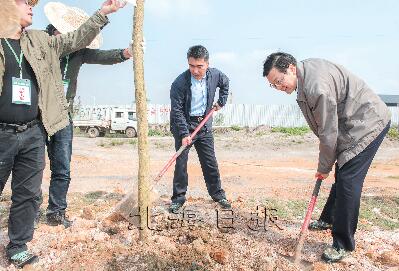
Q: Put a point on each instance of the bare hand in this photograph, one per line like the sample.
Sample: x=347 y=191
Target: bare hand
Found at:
x=130 y=49
x=127 y=53
x=217 y=107
x=186 y=140
x=320 y=175
x=111 y=6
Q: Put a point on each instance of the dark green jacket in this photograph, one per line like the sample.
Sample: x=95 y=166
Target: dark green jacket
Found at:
x=43 y=52
x=88 y=56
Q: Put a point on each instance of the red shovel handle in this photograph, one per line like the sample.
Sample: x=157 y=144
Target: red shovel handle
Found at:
x=311 y=205
x=183 y=147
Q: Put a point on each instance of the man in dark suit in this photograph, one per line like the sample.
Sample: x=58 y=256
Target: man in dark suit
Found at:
x=192 y=97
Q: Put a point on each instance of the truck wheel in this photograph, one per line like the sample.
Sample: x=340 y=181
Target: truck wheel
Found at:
x=93 y=132
x=130 y=132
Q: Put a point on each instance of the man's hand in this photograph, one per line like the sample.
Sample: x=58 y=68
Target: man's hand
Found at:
x=111 y=6
x=186 y=140
x=217 y=107
x=127 y=53
x=320 y=175
x=129 y=50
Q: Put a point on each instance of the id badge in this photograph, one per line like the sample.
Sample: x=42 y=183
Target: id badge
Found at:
x=65 y=83
x=21 y=91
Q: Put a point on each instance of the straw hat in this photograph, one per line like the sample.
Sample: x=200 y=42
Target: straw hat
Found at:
x=33 y=3
x=67 y=19
x=9 y=18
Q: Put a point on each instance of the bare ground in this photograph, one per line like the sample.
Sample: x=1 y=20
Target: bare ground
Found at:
x=271 y=171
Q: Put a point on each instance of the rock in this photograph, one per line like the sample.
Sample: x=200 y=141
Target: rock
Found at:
x=219 y=256
x=390 y=258
x=88 y=213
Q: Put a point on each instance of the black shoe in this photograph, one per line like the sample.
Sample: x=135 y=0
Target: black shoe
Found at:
x=56 y=219
x=175 y=207
x=319 y=225
x=23 y=258
x=224 y=203
x=333 y=255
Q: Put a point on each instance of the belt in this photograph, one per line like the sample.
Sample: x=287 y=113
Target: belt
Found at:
x=18 y=128
x=196 y=118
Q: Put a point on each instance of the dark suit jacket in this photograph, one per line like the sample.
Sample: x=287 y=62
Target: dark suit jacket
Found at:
x=180 y=96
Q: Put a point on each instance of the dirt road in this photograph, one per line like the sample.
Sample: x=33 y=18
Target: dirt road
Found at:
x=257 y=169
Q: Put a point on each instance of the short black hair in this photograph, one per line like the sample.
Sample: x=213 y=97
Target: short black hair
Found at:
x=198 y=52
x=50 y=29
x=281 y=61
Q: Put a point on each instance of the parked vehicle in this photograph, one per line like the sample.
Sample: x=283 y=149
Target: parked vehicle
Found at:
x=115 y=120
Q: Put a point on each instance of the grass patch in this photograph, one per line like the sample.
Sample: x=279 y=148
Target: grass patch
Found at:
x=287 y=210
x=393 y=133
x=292 y=131
x=381 y=211
x=117 y=142
x=235 y=128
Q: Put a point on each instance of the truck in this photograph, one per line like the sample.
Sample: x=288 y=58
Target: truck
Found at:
x=99 y=122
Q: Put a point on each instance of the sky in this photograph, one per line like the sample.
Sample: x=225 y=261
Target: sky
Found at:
x=360 y=35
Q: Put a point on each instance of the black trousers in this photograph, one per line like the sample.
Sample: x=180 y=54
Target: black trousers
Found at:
x=342 y=206
x=204 y=145
x=23 y=155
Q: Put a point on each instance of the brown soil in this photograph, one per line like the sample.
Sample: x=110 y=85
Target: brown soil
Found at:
x=256 y=169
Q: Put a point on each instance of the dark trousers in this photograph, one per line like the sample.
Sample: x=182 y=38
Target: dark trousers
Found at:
x=23 y=155
x=59 y=149
x=204 y=145
x=342 y=206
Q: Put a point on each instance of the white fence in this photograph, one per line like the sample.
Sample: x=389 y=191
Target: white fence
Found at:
x=230 y=115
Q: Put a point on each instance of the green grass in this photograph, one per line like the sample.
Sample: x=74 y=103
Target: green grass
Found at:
x=393 y=133
x=235 y=128
x=291 y=130
x=387 y=216
x=380 y=211
x=117 y=142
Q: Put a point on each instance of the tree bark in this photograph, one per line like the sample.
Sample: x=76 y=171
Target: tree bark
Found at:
x=141 y=111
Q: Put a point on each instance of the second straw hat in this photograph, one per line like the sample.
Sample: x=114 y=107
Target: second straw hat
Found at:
x=67 y=19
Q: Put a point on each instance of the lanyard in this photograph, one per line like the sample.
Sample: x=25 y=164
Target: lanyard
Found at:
x=66 y=67
x=19 y=61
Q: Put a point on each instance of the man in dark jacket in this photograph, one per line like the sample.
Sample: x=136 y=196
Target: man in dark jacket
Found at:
x=59 y=146
x=350 y=121
x=192 y=96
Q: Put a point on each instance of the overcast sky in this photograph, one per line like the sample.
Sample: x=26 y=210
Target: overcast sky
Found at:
x=361 y=35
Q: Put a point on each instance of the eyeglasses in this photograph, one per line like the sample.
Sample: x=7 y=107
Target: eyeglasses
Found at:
x=278 y=82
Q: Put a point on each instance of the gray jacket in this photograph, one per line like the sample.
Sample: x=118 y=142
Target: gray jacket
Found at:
x=342 y=111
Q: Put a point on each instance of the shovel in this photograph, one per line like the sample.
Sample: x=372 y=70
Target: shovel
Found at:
x=305 y=265
x=183 y=147
x=128 y=204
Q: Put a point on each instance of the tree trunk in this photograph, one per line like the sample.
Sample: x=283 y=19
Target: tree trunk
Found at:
x=141 y=111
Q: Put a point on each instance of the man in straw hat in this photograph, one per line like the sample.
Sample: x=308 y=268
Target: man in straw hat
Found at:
x=32 y=104
x=59 y=147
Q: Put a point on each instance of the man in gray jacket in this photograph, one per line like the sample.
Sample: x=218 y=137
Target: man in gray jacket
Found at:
x=350 y=121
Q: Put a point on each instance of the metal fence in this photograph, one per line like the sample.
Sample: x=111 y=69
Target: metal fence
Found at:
x=231 y=115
